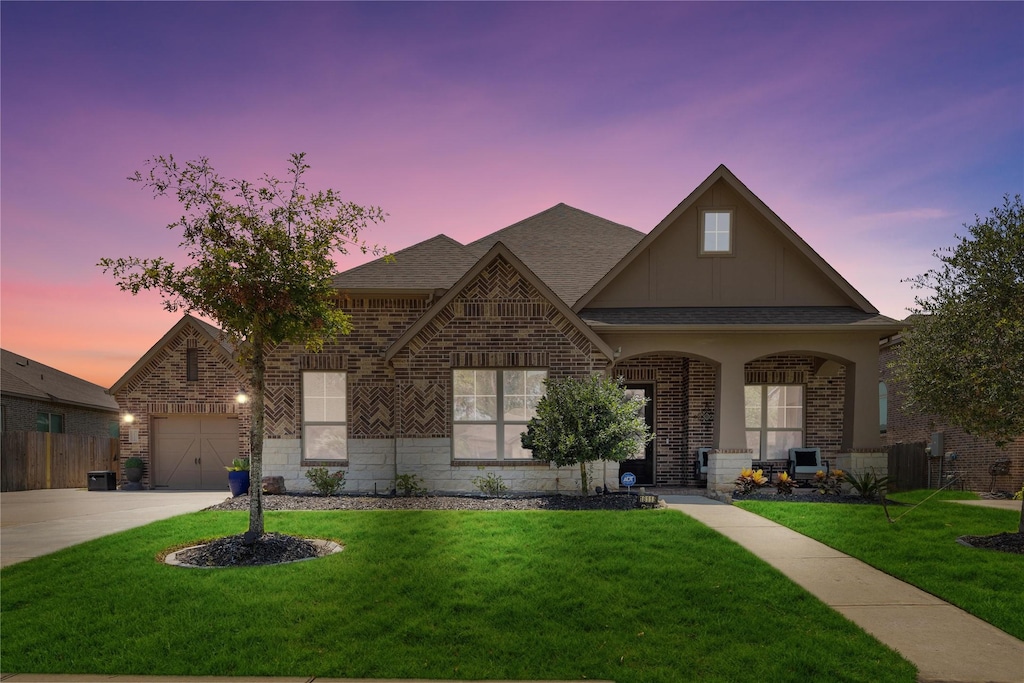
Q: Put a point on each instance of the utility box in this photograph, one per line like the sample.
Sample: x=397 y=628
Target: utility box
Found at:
x=102 y=480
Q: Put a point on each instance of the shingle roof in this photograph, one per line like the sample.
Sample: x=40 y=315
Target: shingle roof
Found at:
x=436 y=263
x=26 y=377
x=567 y=248
x=570 y=250
x=737 y=316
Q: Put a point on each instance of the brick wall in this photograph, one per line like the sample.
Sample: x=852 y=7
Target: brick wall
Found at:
x=700 y=417
x=161 y=388
x=974 y=455
x=19 y=415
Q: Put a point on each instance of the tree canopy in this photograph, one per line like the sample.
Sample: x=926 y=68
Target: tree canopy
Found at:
x=962 y=358
x=258 y=261
x=580 y=421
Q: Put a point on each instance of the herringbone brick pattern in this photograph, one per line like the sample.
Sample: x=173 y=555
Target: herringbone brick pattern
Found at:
x=371 y=410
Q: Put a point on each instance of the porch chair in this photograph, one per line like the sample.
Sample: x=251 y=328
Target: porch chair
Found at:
x=701 y=464
x=806 y=462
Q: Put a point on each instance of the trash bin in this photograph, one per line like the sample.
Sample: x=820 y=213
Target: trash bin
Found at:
x=102 y=480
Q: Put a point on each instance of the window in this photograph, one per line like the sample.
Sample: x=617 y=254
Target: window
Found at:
x=883 y=407
x=324 y=428
x=491 y=409
x=114 y=429
x=191 y=365
x=716 y=232
x=775 y=419
x=49 y=422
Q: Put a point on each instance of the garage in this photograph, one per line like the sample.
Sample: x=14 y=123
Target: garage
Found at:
x=191 y=451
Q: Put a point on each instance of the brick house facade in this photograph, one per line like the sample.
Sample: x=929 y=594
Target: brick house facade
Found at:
x=719 y=303
x=975 y=456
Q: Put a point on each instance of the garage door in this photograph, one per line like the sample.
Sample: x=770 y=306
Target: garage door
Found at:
x=191 y=451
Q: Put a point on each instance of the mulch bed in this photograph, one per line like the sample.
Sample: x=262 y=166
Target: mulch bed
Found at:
x=306 y=501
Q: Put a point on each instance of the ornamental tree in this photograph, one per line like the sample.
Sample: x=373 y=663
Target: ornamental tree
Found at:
x=257 y=261
x=580 y=421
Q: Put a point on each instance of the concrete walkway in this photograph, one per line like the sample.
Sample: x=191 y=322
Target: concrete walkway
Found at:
x=34 y=523
x=943 y=641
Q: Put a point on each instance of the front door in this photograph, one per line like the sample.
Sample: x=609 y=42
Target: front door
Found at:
x=642 y=463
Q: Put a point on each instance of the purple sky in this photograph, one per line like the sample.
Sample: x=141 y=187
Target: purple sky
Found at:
x=874 y=129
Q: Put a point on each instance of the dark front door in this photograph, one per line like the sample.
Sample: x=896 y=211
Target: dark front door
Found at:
x=642 y=463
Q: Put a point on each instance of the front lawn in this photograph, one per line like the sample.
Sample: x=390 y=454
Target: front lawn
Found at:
x=626 y=596
x=920 y=548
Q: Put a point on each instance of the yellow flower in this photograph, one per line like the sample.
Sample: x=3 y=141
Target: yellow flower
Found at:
x=747 y=473
x=783 y=476
x=819 y=475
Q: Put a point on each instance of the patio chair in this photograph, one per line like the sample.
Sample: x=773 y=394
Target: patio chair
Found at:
x=804 y=462
x=701 y=464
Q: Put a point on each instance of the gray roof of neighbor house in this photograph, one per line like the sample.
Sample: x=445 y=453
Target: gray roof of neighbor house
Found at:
x=568 y=249
x=21 y=376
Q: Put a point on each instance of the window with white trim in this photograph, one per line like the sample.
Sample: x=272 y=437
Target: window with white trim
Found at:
x=775 y=419
x=716 y=232
x=490 y=412
x=324 y=424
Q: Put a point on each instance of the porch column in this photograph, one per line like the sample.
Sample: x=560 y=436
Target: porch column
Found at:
x=861 y=429
x=730 y=422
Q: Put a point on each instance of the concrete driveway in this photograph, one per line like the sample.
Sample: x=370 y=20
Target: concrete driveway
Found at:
x=34 y=523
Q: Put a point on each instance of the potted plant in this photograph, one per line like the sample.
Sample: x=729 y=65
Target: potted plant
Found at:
x=238 y=477
x=133 y=473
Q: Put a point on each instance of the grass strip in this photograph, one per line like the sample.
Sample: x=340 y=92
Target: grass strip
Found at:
x=921 y=549
x=627 y=596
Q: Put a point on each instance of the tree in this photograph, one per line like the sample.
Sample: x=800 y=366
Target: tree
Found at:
x=963 y=356
x=258 y=262
x=580 y=421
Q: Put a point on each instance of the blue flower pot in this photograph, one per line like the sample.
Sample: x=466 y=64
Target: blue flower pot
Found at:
x=238 y=482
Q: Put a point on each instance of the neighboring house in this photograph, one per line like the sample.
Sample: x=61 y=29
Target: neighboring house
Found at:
x=745 y=340
x=37 y=398
x=974 y=457
x=180 y=409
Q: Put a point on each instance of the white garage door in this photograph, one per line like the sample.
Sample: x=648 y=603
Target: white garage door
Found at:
x=191 y=451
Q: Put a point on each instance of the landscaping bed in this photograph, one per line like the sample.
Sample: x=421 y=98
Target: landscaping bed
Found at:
x=309 y=501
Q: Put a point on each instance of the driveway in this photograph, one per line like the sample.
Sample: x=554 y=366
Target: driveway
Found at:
x=34 y=523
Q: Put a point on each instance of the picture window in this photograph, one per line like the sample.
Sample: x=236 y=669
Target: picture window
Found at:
x=490 y=412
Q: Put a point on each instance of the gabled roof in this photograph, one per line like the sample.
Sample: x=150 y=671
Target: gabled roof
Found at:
x=496 y=251
x=21 y=376
x=567 y=248
x=787 y=233
x=212 y=334
x=435 y=263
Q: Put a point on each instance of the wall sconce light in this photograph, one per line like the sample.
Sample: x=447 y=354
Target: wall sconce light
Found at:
x=242 y=397
x=128 y=418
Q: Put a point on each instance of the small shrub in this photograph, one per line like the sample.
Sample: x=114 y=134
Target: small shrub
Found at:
x=326 y=483
x=238 y=465
x=409 y=485
x=1020 y=494
x=133 y=462
x=491 y=485
x=830 y=484
x=750 y=480
x=785 y=484
x=867 y=485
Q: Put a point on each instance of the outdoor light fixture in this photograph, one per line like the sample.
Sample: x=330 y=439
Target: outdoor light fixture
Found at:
x=242 y=397
x=128 y=418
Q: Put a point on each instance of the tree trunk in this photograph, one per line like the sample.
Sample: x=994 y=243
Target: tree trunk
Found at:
x=584 y=484
x=256 y=440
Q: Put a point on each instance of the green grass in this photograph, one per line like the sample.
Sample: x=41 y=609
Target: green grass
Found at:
x=635 y=596
x=920 y=548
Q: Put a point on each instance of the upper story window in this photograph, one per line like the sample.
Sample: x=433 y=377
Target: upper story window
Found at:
x=324 y=427
x=191 y=365
x=716 y=232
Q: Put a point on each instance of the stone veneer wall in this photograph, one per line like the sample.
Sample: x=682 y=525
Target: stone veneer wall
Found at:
x=160 y=389
x=974 y=455
x=824 y=399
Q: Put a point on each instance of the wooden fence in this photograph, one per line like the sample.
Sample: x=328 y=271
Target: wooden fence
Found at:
x=908 y=467
x=38 y=460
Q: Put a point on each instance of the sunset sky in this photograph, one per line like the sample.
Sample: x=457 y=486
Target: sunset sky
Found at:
x=874 y=130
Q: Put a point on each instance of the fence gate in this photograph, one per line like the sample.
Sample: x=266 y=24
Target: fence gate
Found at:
x=908 y=466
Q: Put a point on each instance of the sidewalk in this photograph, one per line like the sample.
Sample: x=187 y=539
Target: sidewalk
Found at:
x=943 y=641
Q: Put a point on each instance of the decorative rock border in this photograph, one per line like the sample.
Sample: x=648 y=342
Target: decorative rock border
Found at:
x=325 y=547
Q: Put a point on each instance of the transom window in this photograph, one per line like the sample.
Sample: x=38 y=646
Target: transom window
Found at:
x=490 y=412
x=324 y=425
x=775 y=419
x=716 y=232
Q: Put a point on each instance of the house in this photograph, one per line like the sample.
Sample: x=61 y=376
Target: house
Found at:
x=37 y=398
x=744 y=339
x=975 y=460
